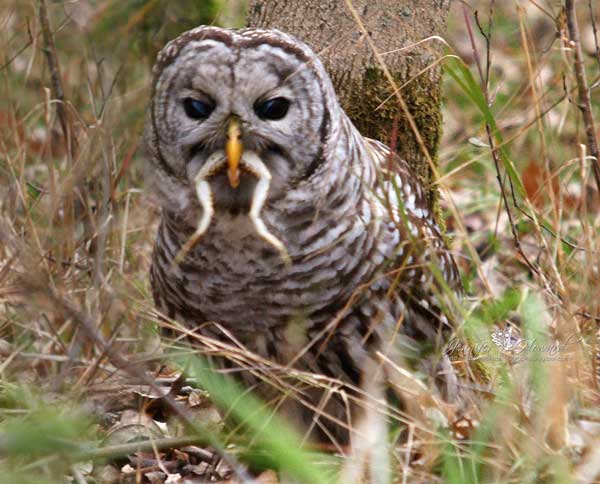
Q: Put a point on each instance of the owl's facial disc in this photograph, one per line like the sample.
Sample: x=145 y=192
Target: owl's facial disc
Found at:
x=234 y=92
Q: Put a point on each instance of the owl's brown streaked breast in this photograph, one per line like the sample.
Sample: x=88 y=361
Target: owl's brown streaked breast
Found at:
x=235 y=278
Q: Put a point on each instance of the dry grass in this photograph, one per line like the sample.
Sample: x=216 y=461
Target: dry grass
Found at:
x=78 y=331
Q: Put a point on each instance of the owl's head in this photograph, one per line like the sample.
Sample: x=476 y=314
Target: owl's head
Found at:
x=232 y=92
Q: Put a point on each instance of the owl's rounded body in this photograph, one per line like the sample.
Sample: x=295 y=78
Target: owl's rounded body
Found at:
x=317 y=250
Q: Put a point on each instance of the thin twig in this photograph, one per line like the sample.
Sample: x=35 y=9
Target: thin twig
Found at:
x=58 y=91
x=22 y=49
x=513 y=228
x=472 y=39
x=595 y=31
x=584 y=91
x=122 y=450
x=488 y=41
x=494 y=150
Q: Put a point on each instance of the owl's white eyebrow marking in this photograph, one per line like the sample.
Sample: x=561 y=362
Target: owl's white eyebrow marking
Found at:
x=252 y=164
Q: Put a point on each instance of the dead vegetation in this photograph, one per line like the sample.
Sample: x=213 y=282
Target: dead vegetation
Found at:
x=85 y=389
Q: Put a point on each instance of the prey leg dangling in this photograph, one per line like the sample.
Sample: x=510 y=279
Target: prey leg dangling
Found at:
x=204 y=193
x=252 y=163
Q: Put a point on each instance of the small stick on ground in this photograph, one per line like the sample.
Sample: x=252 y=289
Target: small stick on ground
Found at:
x=123 y=450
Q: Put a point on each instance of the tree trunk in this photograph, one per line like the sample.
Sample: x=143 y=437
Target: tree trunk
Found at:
x=364 y=92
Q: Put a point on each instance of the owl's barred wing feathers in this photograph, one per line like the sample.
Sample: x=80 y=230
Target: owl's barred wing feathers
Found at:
x=426 y=269
x=367 y=257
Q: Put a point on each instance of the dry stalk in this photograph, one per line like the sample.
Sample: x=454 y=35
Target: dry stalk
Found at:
x=51 y=57
x=37 y=286
x=58 y=93
x=584 y=91
x=595 y=31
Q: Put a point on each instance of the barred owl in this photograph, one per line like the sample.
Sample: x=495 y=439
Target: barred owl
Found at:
x=284 y=231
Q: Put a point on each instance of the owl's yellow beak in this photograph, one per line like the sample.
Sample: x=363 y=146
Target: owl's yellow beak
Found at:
x=233 y=151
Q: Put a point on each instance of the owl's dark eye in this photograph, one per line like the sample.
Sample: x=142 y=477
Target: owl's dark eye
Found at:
x=273 y=109
x=197 y=109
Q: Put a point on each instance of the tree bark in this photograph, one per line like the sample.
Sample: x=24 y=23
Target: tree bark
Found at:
x=364 y=92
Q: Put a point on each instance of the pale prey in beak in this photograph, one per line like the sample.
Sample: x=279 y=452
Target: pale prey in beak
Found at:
x=248 y=161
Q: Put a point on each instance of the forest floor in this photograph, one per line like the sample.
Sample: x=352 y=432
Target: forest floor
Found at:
x=89 y=392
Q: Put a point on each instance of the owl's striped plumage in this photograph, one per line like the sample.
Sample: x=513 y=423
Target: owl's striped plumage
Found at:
x=363 y=244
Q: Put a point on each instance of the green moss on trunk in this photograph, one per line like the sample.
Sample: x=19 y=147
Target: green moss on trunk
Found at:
x=373 y=108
